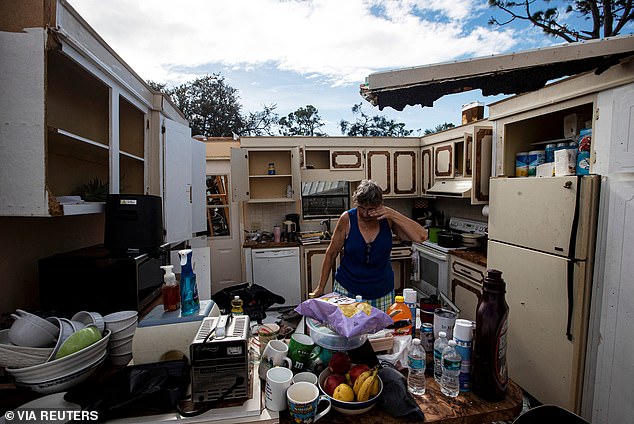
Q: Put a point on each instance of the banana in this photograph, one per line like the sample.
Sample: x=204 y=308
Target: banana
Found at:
x=375 y=388
x=360 y=380
x=365 y=391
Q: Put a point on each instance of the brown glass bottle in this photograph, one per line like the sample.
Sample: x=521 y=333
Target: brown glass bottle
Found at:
x=490 y=373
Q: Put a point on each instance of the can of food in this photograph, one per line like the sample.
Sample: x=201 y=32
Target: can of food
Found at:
x=521 y=164
x=535 y=158
x=550 y=152
x=427 y=343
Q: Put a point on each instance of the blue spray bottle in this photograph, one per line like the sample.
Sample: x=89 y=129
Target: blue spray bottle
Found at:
x=189 y=291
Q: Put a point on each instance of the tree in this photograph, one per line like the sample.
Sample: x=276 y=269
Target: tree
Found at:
x=372 y=126
x=304 y=121
x=439 y=128
x=261 y=123
x=210 y=105
x=611 y=16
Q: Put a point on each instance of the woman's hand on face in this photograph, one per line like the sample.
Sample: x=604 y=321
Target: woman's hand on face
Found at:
x=381 y=212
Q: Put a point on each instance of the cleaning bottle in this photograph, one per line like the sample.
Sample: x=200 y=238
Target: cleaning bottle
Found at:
x=170 y=290
x=402 y=317
x=189 y=291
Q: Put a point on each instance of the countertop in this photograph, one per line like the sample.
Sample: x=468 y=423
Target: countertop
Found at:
x=478 y=257
x=270 y=244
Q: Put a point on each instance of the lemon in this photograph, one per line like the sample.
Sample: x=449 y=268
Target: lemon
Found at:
x=344 y=393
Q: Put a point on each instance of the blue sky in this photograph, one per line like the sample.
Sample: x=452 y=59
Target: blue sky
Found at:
x=297 y=52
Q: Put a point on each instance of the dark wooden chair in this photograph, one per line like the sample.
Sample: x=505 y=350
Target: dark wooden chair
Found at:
x=549 y=414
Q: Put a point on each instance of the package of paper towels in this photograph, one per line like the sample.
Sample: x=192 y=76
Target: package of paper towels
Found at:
x=167 y=335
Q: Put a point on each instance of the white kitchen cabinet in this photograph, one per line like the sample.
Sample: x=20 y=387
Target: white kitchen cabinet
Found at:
x=426 y=169
x=465 y=285
x=252 y=181
x=395 y=170
x=444 y=160
x=74 y=114
x=480 y=149
x=347 y=160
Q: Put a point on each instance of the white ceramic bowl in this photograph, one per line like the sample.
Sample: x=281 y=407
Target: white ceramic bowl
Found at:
x=120 y=349
x=124 y=332
x=90 y=318
x=53 y=369
x=64 y=381
x=121 y=359
x=32 y=331
x=118 y=320
x=65 y=330
x=349 y=408
x=13 y=356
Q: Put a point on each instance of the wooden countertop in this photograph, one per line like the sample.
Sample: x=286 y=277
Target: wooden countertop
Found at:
x=478 y=257
x=467 y=408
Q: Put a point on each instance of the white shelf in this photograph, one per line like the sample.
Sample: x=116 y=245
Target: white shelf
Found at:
x=84 y=208
x=270 y=176
x=271 y=200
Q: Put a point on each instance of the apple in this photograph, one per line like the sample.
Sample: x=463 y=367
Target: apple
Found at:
x=78 y=341
x=356 y=371
x=339 y=363
x=331 y=383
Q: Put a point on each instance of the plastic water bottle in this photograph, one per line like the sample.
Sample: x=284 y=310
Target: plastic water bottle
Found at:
x=451 y=363
x=439 y=345
x=416 y=364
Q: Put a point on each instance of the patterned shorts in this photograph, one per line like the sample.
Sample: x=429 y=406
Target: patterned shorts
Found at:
x=381 y=303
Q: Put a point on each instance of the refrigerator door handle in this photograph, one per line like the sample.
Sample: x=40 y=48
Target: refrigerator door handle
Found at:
x=570 y=269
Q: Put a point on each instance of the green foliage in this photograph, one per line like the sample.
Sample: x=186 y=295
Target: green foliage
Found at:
x=304 y=121
x=372 y=126
x=439 y=128
x=261 y=123
x=602 y=15
x=95 y=191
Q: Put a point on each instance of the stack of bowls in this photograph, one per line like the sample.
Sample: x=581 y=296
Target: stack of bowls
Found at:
x=122 y=324
x=14 y=356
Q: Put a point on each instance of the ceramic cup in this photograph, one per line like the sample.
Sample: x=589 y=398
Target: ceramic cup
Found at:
x=278 y=379
x=444 y=320
x=275 y=355
x=266 y=333
x=299 y=350
x=305 y=376
x=303 y=399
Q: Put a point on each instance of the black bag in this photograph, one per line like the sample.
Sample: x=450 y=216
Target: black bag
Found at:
x=133 y=391
x=255 y=299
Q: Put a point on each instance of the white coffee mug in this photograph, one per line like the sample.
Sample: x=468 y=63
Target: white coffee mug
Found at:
x=306 y=376
x=278 y=379
x=274 y=355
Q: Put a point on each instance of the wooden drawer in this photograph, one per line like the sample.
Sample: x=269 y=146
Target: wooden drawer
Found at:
x=470 y=271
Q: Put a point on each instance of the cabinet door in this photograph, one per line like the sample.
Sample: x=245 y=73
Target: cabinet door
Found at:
x=468 y=155
x=177 y=182
x=623 y=124
x=427 y=171
x=199 y=196
x=465 y=296
x=404 y=172
x=482 y=151
x=346 y=160
x=239 y=174
x=379 y=169
x=313 y=261
x=443 y=161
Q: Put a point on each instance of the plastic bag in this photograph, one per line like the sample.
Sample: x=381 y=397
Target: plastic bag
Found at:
x=398 y=357
x=344 y=315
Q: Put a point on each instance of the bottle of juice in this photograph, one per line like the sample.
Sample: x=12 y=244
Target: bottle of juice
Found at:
x=401 y=316
x=236 y=306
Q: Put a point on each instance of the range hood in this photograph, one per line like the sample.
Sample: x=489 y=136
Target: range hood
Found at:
x=451 y=188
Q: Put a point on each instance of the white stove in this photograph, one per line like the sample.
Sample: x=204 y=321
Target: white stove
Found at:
x=440 y=248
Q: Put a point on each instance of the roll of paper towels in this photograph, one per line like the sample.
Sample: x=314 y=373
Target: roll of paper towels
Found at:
x=485 y=210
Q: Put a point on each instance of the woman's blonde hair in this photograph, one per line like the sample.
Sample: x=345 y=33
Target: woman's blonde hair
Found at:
x=368 y=193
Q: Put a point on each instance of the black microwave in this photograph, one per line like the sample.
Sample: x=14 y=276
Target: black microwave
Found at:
x=98 y=280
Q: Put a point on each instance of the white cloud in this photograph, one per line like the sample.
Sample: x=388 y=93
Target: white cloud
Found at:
x=341 y=41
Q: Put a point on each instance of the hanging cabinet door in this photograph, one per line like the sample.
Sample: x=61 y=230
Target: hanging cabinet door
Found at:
x=405 y=177
x=346 y=159
x=481 y=153
x=443 y=160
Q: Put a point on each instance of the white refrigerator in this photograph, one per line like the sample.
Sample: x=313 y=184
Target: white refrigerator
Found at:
x=541 y=236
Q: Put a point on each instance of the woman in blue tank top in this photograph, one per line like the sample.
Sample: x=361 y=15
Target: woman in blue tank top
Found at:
x=363 y=237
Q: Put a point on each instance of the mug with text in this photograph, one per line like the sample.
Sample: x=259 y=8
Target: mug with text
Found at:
x=275 y=355
x=303 y=401
x=299 y=350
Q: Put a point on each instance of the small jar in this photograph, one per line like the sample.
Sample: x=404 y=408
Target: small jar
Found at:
x=271 y=168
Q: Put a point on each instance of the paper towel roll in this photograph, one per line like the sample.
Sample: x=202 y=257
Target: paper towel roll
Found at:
x=485 y=210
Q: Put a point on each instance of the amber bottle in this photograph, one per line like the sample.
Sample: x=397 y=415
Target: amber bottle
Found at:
x=490 y=373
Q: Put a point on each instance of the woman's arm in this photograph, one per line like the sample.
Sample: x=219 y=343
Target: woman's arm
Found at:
x=333 y=250
x=405 y=228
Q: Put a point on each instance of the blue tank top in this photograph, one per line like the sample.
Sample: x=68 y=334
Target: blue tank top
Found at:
x=366 y=269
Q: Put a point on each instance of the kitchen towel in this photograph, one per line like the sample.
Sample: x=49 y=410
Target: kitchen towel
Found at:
x=396 y=400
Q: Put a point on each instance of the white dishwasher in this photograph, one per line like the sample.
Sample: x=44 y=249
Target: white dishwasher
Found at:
x=277 y=270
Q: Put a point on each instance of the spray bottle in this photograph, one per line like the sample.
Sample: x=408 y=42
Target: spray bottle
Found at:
x=189 y=291
x=171 y=295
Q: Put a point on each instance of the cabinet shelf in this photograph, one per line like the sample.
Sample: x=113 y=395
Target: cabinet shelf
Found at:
x=271 y=200
x=84 y=208
x=131 y=156
x=270 y=176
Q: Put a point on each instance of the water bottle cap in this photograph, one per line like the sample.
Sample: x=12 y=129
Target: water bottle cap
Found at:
x=236 y=297
x=416 y=341
x=452 y=342
x=442 y=334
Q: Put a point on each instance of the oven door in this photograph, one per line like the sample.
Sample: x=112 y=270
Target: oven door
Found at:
x=433 y=272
